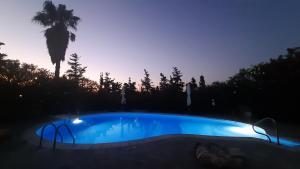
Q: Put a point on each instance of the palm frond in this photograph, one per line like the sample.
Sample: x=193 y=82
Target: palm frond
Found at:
x=73 y=22
x=72 y=36
x=42 y=19
x=50 y=10
x=61 y=13
x=66 y=16
x=2 y=55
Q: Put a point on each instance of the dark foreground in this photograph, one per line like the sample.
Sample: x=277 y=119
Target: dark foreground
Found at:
x=168 y=152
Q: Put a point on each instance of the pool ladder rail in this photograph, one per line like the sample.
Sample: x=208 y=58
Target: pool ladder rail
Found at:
x=56 y=128
x=274 y=123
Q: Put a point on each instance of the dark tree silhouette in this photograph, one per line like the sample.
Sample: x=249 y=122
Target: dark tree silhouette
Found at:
x=101 y=82
x=89 y=85
x=264 y=89
x=76 y=71
x=146 y=82
x=130 y=86
x=2 y=55
x=175 y=80
x=11 y=71
x=293 y=52
x=2 y=61
x=57 y=20
x=116 y=87
x=193 y=84
x=15 y=73
x=105 y=83
x=108 y=85
x=164 y=83
x=202 y=82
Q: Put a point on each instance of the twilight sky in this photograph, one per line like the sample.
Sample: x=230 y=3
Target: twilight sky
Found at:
x=211 y=37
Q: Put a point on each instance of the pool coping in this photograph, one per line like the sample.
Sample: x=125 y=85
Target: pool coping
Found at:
x=31 y=137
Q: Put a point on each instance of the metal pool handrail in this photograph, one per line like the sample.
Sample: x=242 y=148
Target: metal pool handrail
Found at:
x=275 y=124
x=57 y=132
x=42 y=133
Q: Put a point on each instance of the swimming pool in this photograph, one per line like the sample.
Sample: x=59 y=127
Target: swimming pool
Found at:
x=128 y=126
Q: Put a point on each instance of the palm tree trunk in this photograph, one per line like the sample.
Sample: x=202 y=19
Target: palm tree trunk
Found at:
x=57 y=68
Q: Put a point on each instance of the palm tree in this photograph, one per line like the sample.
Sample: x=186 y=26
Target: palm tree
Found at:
x=57 y=20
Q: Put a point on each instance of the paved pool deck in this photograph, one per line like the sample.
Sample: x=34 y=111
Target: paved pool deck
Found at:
x=174 y=152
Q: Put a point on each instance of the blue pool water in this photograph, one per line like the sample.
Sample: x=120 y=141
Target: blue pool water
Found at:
x=120 y=127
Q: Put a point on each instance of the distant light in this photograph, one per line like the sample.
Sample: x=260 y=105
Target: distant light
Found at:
x=20 y=96
x=77 y=121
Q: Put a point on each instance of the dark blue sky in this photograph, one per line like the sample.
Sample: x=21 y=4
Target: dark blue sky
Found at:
x=211 y=37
